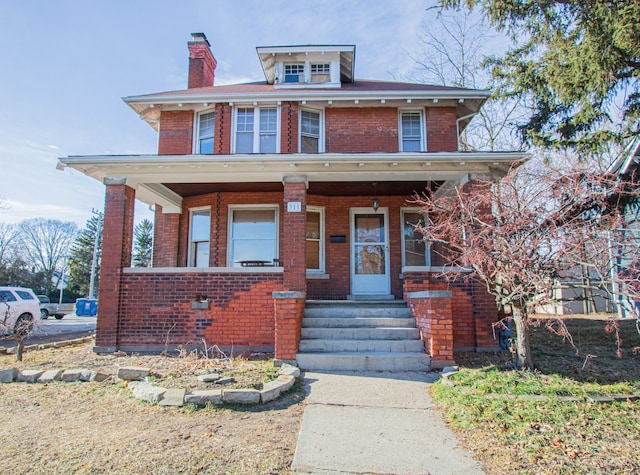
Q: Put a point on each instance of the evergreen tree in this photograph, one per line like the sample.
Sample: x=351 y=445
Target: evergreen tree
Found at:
x=81 y=256
x=143 y=244
x=577 y=63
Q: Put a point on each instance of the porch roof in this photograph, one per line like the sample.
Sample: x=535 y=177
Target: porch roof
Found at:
x=163 y=179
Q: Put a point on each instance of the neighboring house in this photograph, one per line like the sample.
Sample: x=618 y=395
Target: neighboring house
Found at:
x=627 y=165
x=271 y=194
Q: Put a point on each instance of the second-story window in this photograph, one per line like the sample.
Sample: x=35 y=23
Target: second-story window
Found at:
x=309 y=132
x=294 y=72
x=268 y=130
x=411 y=132
x=260 y=139
x=206 y=125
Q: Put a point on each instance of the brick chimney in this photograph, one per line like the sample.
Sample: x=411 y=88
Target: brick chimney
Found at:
x=202 y=64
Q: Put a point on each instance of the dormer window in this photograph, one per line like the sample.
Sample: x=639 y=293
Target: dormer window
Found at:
x=320 y=72
x=294 y=72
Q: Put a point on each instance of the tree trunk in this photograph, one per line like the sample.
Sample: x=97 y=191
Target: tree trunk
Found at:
x=523 y=345
x=19 y=349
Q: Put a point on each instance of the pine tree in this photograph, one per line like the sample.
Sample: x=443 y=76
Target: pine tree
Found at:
x=576 y=62
x=142 y=244
x=81 y=256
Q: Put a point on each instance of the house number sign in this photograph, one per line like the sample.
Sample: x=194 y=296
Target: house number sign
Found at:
x=294 y=206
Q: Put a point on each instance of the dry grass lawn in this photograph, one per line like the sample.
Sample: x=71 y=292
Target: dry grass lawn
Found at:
x=94 y=428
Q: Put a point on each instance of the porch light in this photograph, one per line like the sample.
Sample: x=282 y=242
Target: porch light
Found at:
x=375 y=203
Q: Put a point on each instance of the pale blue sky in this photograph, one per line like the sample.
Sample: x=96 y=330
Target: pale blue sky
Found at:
x=65 y=65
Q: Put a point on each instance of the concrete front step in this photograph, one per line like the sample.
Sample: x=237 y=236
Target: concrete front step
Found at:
x=357 y=322
x=333 y=346
x=355 y=312
x=362 y=333
x=364 y=361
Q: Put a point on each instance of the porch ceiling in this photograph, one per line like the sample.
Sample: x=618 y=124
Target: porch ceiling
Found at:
x=166 y=179
x=333 y=188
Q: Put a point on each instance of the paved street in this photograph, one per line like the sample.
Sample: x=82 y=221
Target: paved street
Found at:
x=70 y=327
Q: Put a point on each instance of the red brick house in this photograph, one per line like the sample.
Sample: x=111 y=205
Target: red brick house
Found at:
x=276 y=197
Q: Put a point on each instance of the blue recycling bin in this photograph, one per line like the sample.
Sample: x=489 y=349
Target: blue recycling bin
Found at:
x=86 y=307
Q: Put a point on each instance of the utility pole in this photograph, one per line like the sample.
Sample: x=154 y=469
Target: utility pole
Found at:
x=94 y=261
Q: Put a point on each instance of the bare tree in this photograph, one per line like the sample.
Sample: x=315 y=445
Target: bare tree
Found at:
x=453 y=46
x=8 y=238
x=46 y=244
x=518 y=234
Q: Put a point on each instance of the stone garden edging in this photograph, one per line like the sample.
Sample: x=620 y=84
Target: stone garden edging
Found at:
x=53 y=344
x=142 y=389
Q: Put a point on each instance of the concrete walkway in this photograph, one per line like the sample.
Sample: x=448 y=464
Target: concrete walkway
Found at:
x=375 y=423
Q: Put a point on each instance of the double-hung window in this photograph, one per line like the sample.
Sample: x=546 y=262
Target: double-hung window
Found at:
x=262 y=138
x=315 y=239
x=411 y=132
x=309 y=132
x=415 y=251
x=199 y=232
x=206 y=126
x=253 y=235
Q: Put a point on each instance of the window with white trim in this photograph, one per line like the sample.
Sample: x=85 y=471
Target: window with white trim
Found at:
x=264 y=137
x=206 y=126
x=315 y=239
x=310 y=132
x=411 y=132
x=294 y=72
x=415 y=251
x=322 y=68
x=253 y=235
x=199 y=236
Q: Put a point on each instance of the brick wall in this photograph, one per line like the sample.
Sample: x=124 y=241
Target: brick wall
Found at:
x=176 y=133
x=353 y=130
x=202 y=65
x=473 y=309
x=117 y=239
x=156 y=310
x=337 y=255
x=292 y=242
x=434 y=319
x=289 y=310
x=222 y=133
x=289 y=127
x=442 y=129
x=165 y=238
x=347 y=130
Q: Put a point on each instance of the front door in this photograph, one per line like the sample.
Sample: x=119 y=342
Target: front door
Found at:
x=370 y=252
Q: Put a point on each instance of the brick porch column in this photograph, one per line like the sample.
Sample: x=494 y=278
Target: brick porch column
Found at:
x=434 y=319
x=293 y=241
x=117 y=239
x=289 y=308
x=166 y=230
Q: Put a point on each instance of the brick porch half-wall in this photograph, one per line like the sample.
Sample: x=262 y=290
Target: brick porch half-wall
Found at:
x=473 y=309
x=157 y=310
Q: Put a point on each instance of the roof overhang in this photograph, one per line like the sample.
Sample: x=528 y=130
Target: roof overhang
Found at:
x=467 y=102
x=148 y=173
